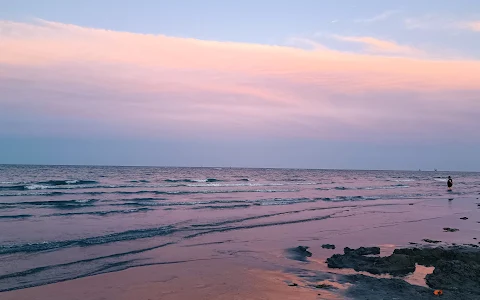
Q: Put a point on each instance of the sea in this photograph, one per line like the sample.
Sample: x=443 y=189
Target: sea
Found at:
x=64 y=222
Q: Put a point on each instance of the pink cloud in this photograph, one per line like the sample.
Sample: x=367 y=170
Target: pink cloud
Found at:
x=379 y=46
x=475 y=26
x=159 y=85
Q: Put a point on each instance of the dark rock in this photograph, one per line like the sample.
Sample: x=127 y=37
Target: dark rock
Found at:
x=302 y=248
x=292 y=284
x=430 y=256
x=328 y=246
x=457 y=272
x=464 y=218
x=431 y=241
x=299 y=253
x=455 y=275
x=396 y=264
x=362 y=251
x=474 y=238
x=355 y=259
x=370 y=288
x=410 y=203
x=325 y=287
x=448 y=229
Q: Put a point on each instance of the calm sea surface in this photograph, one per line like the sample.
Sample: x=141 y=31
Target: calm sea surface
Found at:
x=64 y=222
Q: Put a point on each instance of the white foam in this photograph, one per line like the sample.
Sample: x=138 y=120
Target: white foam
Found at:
x=82 y=201
x=216 y=184
x=38 y=187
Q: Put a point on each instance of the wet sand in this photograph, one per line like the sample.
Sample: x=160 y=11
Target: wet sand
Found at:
x=253 y=263
x=224 y=279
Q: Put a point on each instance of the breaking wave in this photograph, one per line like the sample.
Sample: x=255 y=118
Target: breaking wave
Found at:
x=84 y=242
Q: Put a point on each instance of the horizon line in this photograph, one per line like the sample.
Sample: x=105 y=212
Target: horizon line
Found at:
x=230 y=167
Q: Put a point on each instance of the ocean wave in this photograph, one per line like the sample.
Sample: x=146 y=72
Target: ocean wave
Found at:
x=279 y=223
x=38 y=186
x=342 y=188
x=388 y=187
x=60 y=204
x=221 y=192
x=147 y=199
x=233 y=184
x=154 y=192
x=43 y=185
x=193 y=180
x=100 y=213
x=223 y=206
x=67 y=182
x=346 y=198
x=15 y=217
x=31 y=194
x=12 y=188
x=283 y=201
x=177 y=203
x=85 y=242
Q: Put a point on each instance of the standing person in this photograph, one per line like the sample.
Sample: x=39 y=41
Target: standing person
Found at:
x=450 y=183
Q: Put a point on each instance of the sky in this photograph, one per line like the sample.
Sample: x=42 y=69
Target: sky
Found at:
x=299 y=84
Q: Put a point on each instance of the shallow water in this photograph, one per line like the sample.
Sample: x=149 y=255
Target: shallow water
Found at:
x=64 y=222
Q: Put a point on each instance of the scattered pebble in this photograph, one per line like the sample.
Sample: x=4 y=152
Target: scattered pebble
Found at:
x=464 y=218
x=431 y=241
x=328 y=246
x=299 y=253
x=324 y=286
x=448 y=229
x=292 y=284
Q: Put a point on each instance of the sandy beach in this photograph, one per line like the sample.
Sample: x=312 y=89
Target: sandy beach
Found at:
x=256 y=264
